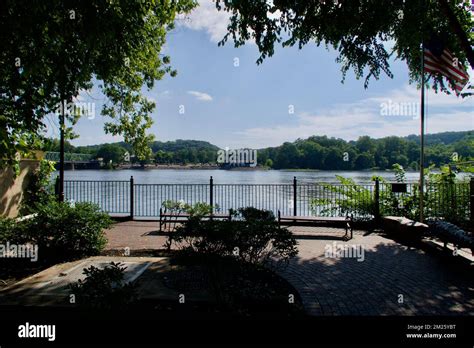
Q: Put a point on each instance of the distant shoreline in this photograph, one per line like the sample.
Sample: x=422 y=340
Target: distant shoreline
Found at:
x=190 y=167
x=238 y=169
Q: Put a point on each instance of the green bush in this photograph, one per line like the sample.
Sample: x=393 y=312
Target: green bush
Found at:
x=256 y=239
x=11 y=231
x=448 y=197
x=347 y=197
x=254 y=214
x=105 y=288
x=445 y=197
x=198 y=209
x=64 y=231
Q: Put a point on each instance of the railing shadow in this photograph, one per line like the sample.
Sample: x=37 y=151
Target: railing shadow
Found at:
x=392 y=279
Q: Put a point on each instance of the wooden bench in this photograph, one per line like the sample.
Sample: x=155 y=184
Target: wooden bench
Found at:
x=180 y=217
x=346 y=222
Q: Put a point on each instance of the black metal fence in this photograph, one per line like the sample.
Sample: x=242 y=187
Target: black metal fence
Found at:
x=111 y=196
x=365 y=201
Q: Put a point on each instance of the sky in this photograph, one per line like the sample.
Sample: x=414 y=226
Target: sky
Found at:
x=222 y=96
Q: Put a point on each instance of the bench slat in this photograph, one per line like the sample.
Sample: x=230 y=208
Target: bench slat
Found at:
x=317 y=220
x=184 y=215
x=314 y=218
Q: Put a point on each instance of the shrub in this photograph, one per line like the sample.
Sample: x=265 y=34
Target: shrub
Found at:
x=11 y=231
x=253 y=214
x=64 y=231
x=199 y=209
x=346 y=198
x=447 y=197
x=105 y=288
x=256 y=239
x=444 y=197
x=15 y=268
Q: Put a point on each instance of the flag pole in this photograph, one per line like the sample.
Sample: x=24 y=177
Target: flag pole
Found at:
x=61 y=149
x=422 y=129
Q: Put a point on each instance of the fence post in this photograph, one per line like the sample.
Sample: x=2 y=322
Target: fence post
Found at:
x=131 y=198
x=294 y=196
x=211 y=194
x=56 y=187
x=377 y=201
x=471 y=191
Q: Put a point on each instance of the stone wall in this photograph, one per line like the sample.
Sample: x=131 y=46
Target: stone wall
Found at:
x=12 y=188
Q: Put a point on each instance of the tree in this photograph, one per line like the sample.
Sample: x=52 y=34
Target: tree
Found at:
x=313 y=154
x=287 y=156
x=359 y=30
x=348 y=158
x=365 y=144
x=269 y=163
x=334 y=159
x=53 y=145
x=52 y=50
x=111 y=153
x=464 y=147
x=160 y=157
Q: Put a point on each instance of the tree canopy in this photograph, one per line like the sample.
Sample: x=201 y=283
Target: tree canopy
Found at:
x=315 y=152
x=52 y=50
x=321 y=152
x=362 y=31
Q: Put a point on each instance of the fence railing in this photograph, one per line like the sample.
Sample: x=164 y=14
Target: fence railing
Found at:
x=68 y=156
x=367 y=201
x=111 y=196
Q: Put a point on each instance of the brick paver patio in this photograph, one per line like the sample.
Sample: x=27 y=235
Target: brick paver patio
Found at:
x=135 y=235
x=392 y=279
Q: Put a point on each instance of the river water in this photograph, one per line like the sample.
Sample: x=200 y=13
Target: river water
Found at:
x=198 y=176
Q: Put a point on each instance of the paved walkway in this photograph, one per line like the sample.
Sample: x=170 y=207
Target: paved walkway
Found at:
x=386 y=279
x=392 y=279
x=135 y=235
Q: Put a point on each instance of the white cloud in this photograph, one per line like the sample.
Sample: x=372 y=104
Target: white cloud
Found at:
x=349 y=121
x=207 y=17
x=200 y=96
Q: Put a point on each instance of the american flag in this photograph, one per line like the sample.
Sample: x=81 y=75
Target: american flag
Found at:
x=439 y=60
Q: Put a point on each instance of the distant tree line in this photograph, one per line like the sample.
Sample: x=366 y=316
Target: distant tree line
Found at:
x=321 y=152
x=184 y=152
x=316 y=152
x=170 y=152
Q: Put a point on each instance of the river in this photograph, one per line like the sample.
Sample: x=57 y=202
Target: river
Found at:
x=198 y=176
